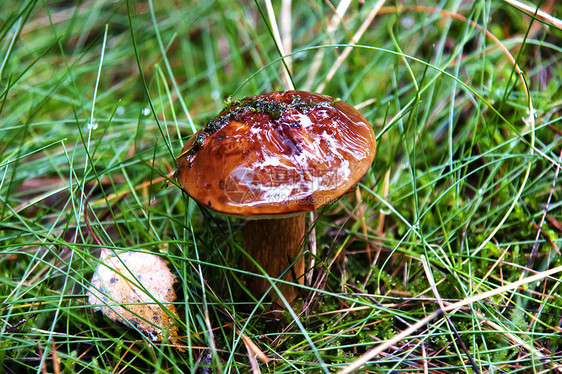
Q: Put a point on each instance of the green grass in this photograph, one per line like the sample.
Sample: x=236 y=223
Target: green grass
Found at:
x=97 y=98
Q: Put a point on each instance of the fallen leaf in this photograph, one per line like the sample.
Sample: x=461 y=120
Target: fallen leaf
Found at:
x=136 y=288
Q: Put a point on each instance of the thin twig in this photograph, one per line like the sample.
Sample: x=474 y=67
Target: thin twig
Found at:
x=518 y=341
x=447 y=318
x=354 y=40
x=361 y=217
x=536 y=244
x=337 y=18
x=424 y=359
x=313 y=248
x=286 y=37
x=382 y=215
x=55 y=358
x=451 y=307
x=253 y=348
x=285 y=72
x=534 y=11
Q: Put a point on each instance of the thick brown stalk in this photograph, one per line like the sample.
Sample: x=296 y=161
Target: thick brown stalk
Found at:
x=275 y=244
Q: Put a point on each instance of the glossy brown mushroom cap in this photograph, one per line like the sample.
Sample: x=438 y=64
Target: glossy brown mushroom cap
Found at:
x=277 y=153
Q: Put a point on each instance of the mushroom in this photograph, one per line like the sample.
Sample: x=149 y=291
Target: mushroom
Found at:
x=270 y=159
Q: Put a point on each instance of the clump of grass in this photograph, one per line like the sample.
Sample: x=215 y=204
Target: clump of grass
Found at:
x=463 y=198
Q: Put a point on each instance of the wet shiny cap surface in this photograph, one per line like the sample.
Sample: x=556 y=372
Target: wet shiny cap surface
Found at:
x=277 y=153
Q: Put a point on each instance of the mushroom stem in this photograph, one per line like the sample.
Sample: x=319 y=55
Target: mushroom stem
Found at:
x=275 y=244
